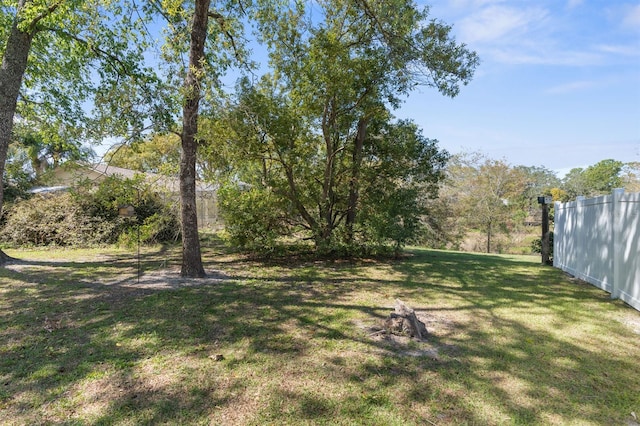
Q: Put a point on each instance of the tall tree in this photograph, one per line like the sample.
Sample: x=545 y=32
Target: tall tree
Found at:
x=485 y=190
x=277 y=166
x=191 y=256
x=212 y=49
x=342 y=71
x=49 y=49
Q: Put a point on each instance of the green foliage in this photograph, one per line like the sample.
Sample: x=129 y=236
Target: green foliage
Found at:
x=81 y=52
x=89 y=216
x=538 y=181
x=394 y=219
x=157 y=221
x=47 y=145
x=252 y=217
x=486 y=194
x=316 y=139
x=159 y=154
x=55 y=219
x=160 y=227
x=536 y=245
x=17 y=179
x=598 y=179
x=399 y=173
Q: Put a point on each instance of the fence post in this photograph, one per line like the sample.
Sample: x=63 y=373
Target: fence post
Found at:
x=579 y=237
x=616 y=240
x=556 y=244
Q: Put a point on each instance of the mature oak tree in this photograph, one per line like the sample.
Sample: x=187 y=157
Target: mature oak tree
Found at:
x=212 y=49
x=338 y=70
x=356 y=64
x=191 y=257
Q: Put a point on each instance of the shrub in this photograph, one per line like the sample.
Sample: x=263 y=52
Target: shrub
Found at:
x=54 y=219
x=536 y=245
x=251 y=216
x=89 y=216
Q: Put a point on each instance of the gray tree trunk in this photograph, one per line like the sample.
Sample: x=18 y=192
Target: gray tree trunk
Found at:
x=14 y=65
x=354 y=183
x=191 y=255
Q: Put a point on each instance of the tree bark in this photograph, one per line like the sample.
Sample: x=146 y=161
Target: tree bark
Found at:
x=544 y=242
x=191 y=255
x=354 y=183
x=326 y=205
x=14 y=65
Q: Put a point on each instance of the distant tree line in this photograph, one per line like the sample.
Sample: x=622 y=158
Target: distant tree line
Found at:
x=308 y=153
x=495 y=199
x=411 y=191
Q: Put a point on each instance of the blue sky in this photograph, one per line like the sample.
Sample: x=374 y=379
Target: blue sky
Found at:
x=558 y=84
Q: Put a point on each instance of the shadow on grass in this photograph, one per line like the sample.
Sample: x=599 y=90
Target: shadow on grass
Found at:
x=526 y=346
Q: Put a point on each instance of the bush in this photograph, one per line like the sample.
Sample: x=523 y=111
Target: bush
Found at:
x=252 y=219
x=536 y=245
x=54 y=219
x=89 y=216
x=259 y=220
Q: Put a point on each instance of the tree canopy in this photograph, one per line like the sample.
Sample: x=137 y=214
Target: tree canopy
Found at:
x=58 y=55
x=597 y=179
x=307 y=135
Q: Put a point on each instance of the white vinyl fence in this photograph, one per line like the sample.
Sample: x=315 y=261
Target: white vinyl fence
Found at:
x=598 y=240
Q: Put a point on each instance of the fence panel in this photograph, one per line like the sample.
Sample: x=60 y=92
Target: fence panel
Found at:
x=598 y=241
x=627 y=250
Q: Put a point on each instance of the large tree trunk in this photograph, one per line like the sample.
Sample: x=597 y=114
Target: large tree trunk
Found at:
x=354 y=183
x=14 y=64
x=327 y=204
x=191 y=256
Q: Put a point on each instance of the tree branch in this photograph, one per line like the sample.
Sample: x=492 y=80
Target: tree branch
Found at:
x=222 y=23
x=92 y=47
x=33 y=25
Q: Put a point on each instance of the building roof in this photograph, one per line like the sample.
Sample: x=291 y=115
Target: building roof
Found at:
x=71 y=173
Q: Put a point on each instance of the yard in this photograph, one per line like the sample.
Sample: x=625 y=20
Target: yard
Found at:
x=84 y=341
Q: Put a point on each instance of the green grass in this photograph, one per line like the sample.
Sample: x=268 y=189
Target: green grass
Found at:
x=511 y=342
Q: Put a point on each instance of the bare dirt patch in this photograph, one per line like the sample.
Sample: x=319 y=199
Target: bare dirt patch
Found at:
x=158 y=279
x=431 y=346
x=166 y=279
x=632 y=321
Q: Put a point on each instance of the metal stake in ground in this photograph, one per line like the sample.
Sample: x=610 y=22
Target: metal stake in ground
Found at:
x=130 y=212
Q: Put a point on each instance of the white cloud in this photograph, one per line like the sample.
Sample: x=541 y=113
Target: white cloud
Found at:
x=622 y=50
x=532 y=56
x=547 y=32
x=498 y=23
x=631 y=18
x=574 y=3
x=570 y=87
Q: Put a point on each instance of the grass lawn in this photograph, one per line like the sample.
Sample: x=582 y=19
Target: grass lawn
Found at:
x=83 y=341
